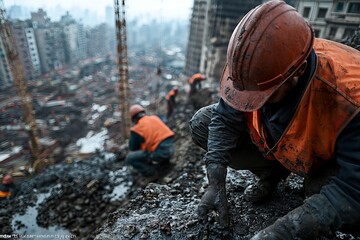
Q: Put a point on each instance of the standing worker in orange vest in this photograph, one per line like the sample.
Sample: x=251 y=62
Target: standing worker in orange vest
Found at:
x=195 y=82
x=289 y=103
x=7 y=187
x=151 y=143
x=171 y=102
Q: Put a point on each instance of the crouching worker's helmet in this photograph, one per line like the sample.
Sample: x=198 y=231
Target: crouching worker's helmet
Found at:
x=267 y=47
x=135 y=110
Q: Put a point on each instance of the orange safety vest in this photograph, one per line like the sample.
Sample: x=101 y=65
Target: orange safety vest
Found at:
x=330 y=101
x=5 y=194
x=153 y=130
x=196 y=76
x=170 y=94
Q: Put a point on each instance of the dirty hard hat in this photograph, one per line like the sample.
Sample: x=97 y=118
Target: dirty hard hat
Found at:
x=266 y=48
x=135 y=109
x=7 y=179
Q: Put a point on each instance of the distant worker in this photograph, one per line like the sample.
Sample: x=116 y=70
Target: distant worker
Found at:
x=7 y=187
x=151 y=143
x=171 y=101
x=195 y=82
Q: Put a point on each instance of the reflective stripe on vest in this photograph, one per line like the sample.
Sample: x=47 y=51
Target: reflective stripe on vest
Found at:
x=329 y=103
x=153 y=130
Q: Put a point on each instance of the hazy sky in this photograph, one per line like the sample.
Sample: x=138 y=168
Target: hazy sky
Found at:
x=180 y=9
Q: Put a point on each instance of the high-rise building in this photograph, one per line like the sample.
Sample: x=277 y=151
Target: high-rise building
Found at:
x=50 y=41
x=27 y=48
x=73 y=39
x=101 y=40
x=6 y=79
x=196 y=34
x=212 y=23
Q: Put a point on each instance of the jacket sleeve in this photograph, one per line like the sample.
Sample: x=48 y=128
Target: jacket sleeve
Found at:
x=343 y=192
x=225 y=128
x=135 y=141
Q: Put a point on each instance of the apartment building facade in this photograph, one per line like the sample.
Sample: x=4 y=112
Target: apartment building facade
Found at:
x=334 y=20
x=26 y=44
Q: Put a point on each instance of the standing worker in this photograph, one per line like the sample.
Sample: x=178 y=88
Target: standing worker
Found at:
x=195 y=82
x=171 y=101
x=151 y=143
x=7 y=187
x=298 y=99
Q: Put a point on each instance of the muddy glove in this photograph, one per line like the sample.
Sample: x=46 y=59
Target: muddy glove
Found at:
x=215 y=195
x=316 y=217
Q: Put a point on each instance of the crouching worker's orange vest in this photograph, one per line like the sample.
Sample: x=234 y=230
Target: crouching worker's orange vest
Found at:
x=329 y=103
x=153 y=130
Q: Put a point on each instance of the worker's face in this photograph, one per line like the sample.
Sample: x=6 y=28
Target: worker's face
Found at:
x=291 y=83
x=279 y=94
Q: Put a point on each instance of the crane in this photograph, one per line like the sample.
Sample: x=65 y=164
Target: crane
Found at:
x=17 y=71
x=123 y=68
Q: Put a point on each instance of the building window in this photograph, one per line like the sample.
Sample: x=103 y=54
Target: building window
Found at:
x=354 y=8
x=332 y=32
x=322 y=13
x=317 y=32
x=348 y=32
x=339 y=7
x=306 y=12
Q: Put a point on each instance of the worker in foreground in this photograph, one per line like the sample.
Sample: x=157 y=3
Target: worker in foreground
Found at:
x=7 y=187
x=195 y=83
x=298 y=99
x=171 y=101
x=151 y=143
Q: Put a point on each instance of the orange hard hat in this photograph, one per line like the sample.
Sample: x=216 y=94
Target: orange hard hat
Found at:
x=7 y=179
x=267 y=47
x=196 y=76
x=135 y=109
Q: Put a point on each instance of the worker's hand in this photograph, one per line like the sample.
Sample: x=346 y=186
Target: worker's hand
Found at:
x=308 y=221
x=215 y=195
x=214 y=199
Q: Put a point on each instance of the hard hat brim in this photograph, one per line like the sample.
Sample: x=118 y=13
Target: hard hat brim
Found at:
x=246 y=101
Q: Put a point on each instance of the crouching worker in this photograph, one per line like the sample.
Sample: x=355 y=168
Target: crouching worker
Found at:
x=7 y=187
x=151 y=143
x=288 y=104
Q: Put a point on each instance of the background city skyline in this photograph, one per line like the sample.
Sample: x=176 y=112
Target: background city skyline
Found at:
x=95 y=12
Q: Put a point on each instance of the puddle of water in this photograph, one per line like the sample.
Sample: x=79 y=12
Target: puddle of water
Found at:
x=32 y=230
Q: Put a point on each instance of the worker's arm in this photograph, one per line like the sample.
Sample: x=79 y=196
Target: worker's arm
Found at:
x=343 y=192
x=135 y=141
x=224 y=130
x=338 y=203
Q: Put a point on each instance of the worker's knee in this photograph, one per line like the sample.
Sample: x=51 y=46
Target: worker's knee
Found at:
x=199 y=125
x=136 y=156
